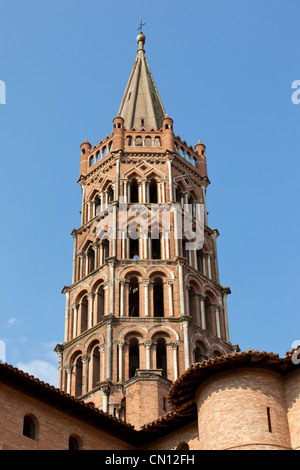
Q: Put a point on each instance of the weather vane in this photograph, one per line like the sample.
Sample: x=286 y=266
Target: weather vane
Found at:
x=141 y=25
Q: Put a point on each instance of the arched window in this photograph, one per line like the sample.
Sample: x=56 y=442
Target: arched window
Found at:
x=30 y=427
x=97 y=203
x=178 y=195
x=134 y=248
x=73 y=443
x=110 y=194
x=199 y=355
x=134 y=298
x=134 y=356
x=155 y=248
x=105 y=248
x=148 y=141
x=129 y=141
x=138 y=141
x=153 y=192
x=193 y=303
x=95 y=366
x=84 y=314
x=209 y=316
x=161 y=356
x=134 y=192
x=78 y=377
x=104 y=150
x=183 y=446
x=200 y=261
x=158 y=298
x=99 y=302
x=91 y=259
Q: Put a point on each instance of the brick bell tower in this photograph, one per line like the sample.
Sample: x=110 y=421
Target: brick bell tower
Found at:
x=143 y=305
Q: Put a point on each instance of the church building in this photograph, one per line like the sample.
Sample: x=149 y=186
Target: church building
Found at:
x=146 y=361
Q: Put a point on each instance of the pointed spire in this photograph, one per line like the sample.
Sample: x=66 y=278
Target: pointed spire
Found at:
x=141 y=106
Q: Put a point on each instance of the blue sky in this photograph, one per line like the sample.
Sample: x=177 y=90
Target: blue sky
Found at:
x=224 y=71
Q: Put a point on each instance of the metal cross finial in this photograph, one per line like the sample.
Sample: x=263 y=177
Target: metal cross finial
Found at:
x=141 y=25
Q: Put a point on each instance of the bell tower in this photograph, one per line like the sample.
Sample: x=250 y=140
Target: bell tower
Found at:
x=145 y=299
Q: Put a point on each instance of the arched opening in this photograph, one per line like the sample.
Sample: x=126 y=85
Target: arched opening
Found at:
x=134 y=248
x=209 y=315
x=199 y=355
x=148 y=141
x=193 y=299
x=97 y=203
x=78 y=377
x=110 y=194
x=153 y=192
x=73 y=443
x=134 y=298
x=183 y=446
x=95 y=362
x=134 y=356
x=30 y=427
x=129 y=141
x=161 y=356
x=200 y=260
x=155 y=248
x=158 y=298
x=84 y=314
x=91 y=259
x=138 y=141
x=134 y=191
x=105 y=248
x=99 y=301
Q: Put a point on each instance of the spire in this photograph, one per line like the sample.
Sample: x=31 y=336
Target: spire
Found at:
x=141 y=105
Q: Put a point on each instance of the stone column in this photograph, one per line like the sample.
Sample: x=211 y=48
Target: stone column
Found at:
x=105 y=393
x=67 y=315
x=102 y=352
x=209 y=266
x=88 y=211
x=181 y=288
x=82 y=203
x=202 y=312
x=85 y=361
x=145 y=283
x=217 y=314
x=120 y=355
x=80 y=266
x=170 y=180
x=125 y=194
x=175 y=360
x=95 y=248
x=112 y=287
x=121 y=300
x=109 y=350
x=147 y=345
x=225 y=292
x=105 y=290
x=59 y=376
x=204 y=201
x=68 y=369
x=185 y=326
x=90 y=297
x=170 y=297
x=214 y=237
x=75 y=315
x=74 y=256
